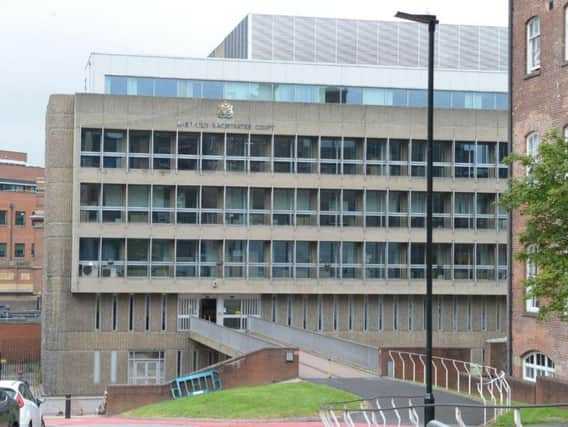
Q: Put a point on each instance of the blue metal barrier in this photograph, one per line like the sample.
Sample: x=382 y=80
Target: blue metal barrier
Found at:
x=195 y=384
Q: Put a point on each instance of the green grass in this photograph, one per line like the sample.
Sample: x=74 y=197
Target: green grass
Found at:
x=296 y=399
x=535 y=416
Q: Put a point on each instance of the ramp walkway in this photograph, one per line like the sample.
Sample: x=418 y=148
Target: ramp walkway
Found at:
x=321 y=356
x=322 y=347
x=225 y=340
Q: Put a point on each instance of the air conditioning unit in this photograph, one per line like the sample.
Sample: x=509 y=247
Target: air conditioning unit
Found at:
x=89 y=270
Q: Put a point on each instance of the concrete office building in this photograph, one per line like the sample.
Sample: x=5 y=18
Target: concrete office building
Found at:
x=294 y=192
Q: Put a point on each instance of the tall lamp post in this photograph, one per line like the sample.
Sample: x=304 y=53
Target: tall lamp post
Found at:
x=431 y=21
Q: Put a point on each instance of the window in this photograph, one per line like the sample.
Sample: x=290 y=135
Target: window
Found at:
x=146 y=367
x=131 y=313
x=20 y=219
x=19 y=250
x=533 y=44
x=273 y=308
x=179 y=363
x=410 y=314
x=533 y=141
x=380 y=314
x=536 y=364
x=350 y=312
x=320 y=312
x=98 y=313
x=289 y=311
x=114 y=318
x=304 y=311
x=3 y=218
x=2 y=250
x=395 y=314
x=531 y=270
x=147 y=308
x=164 y=313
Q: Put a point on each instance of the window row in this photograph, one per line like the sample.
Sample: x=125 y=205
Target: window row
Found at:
x=159 y=204
x=387 y=313
x=19 y=250
x=164 y=258
x=278 y=92
x=171 y=150
x=19 y=187
x=19 y=218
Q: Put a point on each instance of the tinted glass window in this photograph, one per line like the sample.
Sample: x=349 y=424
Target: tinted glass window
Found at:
x=166 y=87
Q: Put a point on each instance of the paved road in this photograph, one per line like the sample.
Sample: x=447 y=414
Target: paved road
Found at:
x=383 y=388
x=120 y=422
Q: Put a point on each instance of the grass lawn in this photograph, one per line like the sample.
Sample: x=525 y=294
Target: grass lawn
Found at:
x=535 y=416
x=282 y=400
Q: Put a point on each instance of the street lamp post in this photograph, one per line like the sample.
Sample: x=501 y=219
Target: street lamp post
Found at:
x=431 y=21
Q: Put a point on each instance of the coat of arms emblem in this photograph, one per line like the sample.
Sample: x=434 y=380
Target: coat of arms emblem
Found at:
x=225 y=110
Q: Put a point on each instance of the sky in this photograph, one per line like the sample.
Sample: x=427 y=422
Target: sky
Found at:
x=44 y=44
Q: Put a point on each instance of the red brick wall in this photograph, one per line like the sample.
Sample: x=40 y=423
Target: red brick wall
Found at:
x=20 y=340
x=551 y=390
x=540 y=102
x=21 y=275
x=261 y=367
x=13 y=155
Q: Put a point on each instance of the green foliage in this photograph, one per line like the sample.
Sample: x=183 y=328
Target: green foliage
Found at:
x=542 y=198
x=296 y=399
x=535 y=416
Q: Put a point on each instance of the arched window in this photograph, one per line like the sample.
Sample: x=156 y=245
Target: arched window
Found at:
x=533 y=44
x=533 y=141
x=536 y=364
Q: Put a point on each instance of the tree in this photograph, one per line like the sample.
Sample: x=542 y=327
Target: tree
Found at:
x=542 y=198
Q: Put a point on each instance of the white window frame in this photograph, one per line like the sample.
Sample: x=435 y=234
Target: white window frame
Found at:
x=533 y=141
x=536 y=364
x=531 y=270
x=533 y=44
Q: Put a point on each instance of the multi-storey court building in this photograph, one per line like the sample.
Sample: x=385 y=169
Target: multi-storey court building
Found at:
x=295 y=192
x=540 y=97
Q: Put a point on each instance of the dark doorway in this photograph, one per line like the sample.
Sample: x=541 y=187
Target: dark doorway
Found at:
x=208 y=309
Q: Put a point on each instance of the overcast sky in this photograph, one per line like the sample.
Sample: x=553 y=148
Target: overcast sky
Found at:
x=44 y=44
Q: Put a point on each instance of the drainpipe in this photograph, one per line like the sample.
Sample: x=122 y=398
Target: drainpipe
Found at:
x=11 y=222
x=510 y=233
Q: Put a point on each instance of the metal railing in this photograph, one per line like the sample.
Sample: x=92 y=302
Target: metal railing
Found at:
x=371 y=412
x=481 y=381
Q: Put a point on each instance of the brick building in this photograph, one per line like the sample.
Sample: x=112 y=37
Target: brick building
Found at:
x=539 y=103
x=21 y=232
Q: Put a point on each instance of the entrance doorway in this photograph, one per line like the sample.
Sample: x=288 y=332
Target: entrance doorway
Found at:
x=208 y=309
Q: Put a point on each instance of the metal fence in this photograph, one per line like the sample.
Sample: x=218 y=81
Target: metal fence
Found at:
x=480 y=381
x=372 y=412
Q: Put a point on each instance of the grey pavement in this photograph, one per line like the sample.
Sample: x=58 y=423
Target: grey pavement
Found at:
x=386 y=388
